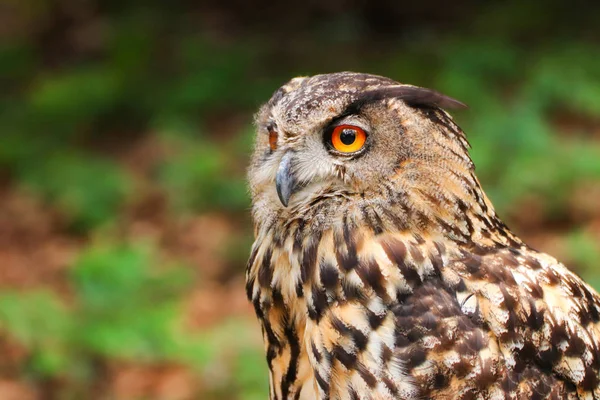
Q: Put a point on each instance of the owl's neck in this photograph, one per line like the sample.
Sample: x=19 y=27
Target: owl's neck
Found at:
x=302 y=264
x=295 y=253
x=455 y=210
x=418 y=216
x=292 y=247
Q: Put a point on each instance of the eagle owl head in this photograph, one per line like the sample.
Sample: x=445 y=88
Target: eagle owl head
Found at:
x=343 y=141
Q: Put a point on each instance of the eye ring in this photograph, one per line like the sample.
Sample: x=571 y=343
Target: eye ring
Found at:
x=347 y=139
x=273 y=137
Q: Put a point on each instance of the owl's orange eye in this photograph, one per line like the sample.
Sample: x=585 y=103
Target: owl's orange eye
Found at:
x=273 y=138
x=348 y=138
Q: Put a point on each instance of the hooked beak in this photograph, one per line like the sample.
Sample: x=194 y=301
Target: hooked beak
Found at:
x=285 y=180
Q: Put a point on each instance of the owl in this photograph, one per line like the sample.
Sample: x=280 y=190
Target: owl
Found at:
x=380 y=269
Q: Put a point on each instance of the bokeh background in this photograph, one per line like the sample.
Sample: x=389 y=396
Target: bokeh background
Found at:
x=125 y=129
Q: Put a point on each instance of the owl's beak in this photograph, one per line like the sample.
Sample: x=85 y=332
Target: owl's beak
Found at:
x=285 y=180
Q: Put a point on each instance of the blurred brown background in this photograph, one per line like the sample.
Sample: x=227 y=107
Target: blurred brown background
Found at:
x=125 y=129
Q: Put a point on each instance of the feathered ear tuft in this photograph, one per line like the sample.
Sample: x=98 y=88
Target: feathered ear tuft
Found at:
x=421 y=97
x=414 y=96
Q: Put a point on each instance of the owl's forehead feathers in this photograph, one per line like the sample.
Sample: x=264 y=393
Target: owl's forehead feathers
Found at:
x=307 y=102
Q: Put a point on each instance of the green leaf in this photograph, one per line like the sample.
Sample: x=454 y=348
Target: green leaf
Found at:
x=39 y=321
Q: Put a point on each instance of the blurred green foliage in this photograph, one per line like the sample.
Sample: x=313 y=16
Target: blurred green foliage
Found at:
x=39 y=321
x=126 y=308
x=201 y=176
x=123 y=307
x=66 y=125
x=583 y=249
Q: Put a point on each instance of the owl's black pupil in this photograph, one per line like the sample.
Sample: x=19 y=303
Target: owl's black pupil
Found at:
x=348 y=136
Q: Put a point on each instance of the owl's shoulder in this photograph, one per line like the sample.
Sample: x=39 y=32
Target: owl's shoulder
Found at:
x=540 y=313
x=492 y=318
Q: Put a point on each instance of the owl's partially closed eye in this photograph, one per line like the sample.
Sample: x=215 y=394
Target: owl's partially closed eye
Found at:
x=380 y=269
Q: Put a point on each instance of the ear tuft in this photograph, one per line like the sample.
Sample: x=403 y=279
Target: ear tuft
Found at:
x=414 y=96
x=422 y=97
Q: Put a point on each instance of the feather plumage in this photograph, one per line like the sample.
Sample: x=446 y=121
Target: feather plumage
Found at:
x=407 y=287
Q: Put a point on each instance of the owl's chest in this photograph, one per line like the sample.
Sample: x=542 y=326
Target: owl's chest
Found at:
x=291 y=373
x=276 y=291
